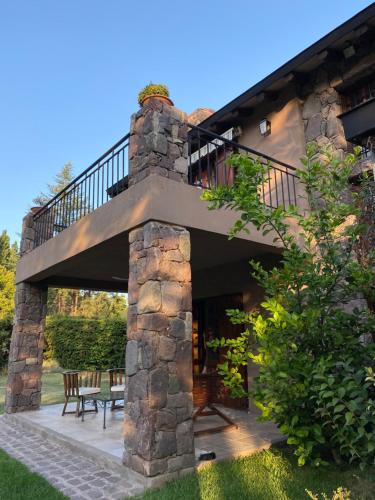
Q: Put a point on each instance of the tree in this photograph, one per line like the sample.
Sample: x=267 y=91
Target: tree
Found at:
x=62 y=179
x=316 y=378
x=7 y=290
x=8 y=252
x=8 y=260
x=102 y=304
x=73 y=302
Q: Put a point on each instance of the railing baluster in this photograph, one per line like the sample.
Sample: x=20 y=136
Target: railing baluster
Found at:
x=294 y=190
x=208 y=167
x=107 y=166
x=276 y=186
x=200 y=183
x=190 y=172
x=282 y=187
x=102 y=169
x=118 y=175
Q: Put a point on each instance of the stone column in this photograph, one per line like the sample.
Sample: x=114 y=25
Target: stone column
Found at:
x=159 y=404
x=158 y=426
x=23 y=391
x=158 y=143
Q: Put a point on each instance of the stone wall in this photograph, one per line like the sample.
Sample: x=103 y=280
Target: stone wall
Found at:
x=158 y=424
x=23 y=391
x=321 y=95
x=320 y=112
x=322 y=105
x=158 y=142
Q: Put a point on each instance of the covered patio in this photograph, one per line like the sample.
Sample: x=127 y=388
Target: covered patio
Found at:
x=158 y=242
x=105 y=446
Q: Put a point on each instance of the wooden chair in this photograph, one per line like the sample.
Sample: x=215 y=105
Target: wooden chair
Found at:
x=116 y=383
x=79 y=384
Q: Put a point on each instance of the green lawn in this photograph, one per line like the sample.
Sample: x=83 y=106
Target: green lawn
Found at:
x=18 y=483
x=269 y=475
x=52 y=389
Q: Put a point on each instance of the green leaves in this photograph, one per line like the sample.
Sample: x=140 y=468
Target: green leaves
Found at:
x=305 y=339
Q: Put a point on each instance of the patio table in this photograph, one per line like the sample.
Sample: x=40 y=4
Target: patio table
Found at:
x=102 y=398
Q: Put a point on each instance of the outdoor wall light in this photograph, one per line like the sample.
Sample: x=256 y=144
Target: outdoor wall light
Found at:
x=349 y=51
x=265 y=127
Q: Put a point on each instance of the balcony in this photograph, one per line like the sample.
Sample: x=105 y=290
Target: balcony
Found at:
x=359 y=122
x=101 y=181
x=208 y=167
x=107 y=177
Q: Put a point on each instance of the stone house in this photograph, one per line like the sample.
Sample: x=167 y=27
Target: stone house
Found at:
x=134 y=222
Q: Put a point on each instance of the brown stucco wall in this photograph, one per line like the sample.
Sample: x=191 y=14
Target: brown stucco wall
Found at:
x=286 y=141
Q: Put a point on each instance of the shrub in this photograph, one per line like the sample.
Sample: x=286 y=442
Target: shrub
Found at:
x=5 y=335
x=315 y=368
x=83 y=344
x=339 y=494
x=152 y=89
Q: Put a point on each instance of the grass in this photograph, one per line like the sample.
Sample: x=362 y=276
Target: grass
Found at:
x=52 y=387
x=268 y=475
x=18 y=483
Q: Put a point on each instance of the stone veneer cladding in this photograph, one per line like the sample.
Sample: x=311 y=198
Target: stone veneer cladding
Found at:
x=158 y=423
x=321 y=95
x=158 y=426
x=322 y=106
x=158 y=143
x=23 y=391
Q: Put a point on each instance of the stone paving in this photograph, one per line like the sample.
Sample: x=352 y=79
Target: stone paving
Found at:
x=84 y=461
x=76 y=476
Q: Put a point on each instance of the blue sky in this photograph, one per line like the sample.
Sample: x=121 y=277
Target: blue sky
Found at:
x=70 y=71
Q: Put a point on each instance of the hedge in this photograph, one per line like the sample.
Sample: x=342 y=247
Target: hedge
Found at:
x=5 y=334
x=84 y=344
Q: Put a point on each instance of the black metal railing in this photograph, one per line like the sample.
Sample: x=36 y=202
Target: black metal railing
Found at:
x=367 y=154
x=101 y=181
x=208 y=167
x=359 y=95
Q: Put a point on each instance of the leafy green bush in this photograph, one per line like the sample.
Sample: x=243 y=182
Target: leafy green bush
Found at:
x=339 y=494
x=152 y=89
x=5 y=334
x=315 y=363
x=83 y=344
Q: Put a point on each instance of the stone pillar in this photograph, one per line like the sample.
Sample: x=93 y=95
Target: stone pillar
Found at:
x=158 y=425
x=159 y=405
x=320 y=111
x=158 y=143
x=23 y=391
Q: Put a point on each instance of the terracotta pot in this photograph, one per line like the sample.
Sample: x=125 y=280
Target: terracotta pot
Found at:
x=159 y=97
x=35 y=210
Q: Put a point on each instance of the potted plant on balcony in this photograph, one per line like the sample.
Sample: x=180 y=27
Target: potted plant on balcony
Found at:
x=155 y=90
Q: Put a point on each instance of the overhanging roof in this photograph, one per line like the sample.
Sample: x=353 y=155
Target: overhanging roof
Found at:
x=299 y=63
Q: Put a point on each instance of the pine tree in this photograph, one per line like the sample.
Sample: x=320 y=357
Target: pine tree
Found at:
x=77 y=302
x=62 y=179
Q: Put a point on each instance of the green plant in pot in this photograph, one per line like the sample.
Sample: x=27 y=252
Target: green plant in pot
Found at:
x=156 y=90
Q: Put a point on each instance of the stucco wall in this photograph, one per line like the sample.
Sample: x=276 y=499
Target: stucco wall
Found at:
x=286 y=141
